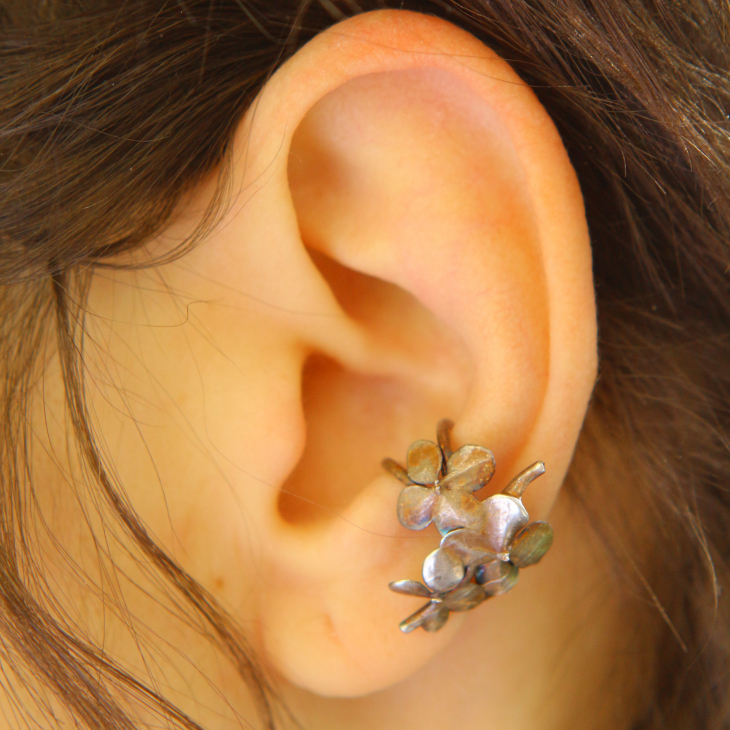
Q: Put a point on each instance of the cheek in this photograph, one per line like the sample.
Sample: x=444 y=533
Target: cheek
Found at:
x=198 y=410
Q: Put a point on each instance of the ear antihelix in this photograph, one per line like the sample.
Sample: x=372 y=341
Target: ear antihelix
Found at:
x=484 y=543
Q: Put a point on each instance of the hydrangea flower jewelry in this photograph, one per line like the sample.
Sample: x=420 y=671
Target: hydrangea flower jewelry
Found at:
x=483 y=544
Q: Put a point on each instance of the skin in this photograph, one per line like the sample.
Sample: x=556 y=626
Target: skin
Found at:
x=407 y=242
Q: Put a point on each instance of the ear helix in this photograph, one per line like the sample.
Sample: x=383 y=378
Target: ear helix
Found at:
x=484 y=543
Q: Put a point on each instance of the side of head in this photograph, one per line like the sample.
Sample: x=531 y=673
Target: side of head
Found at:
x=395 y=232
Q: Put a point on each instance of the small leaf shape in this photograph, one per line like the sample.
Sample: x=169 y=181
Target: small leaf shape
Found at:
x=416 y=619
x=434 y=621
x=410 y=588
x=530 y=544
x=443 y=570
x=465 y=598
x=469 y=468
x=423 y=462
x=415 y=507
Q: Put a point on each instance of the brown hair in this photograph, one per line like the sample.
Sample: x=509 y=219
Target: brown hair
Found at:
x=110 y=113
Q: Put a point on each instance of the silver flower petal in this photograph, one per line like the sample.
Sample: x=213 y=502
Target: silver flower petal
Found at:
x=456 y=508
x=423 y=462
x=497 y=577
x=530 y=544
x=465 y=598
x=415 y=507
x=416 y=619
x=469 y=545
x=469 y=468
x=434 y=621
x=504 y=516
x=410 y=588
x=443 y=570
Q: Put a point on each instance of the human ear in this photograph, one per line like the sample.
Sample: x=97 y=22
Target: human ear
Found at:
x=408 y=242
x=418 y=158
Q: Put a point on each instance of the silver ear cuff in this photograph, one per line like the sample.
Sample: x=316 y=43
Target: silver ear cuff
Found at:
x=484 y=543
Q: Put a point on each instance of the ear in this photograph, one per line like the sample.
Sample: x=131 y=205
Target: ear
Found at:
x=408 y=243
x=437 y=201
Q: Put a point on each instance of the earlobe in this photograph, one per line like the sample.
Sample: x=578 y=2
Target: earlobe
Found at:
x=407 y=175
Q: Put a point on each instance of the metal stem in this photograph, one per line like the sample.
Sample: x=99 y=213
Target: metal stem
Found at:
x=517 y=486
x=443 y=435
x=398 y=471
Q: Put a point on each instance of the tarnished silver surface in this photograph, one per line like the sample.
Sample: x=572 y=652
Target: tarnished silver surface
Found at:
x=443 y=570
x=398 y=471
x=504 y=516
x=469 y=468
x=443 y=436
x=497 y=577
x=484 y=543
x=530 y=544
x=423 y=462
x=516 y=488
x=415 y=507
x=436 y=619
x=458 y=509
x=470 y=545
x=419 y=617
x=410 y=588
x=465 y=597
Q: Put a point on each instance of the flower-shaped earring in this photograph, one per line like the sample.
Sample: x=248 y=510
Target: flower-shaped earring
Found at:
x=439 y=483
x=435 y=613
x=485 y=542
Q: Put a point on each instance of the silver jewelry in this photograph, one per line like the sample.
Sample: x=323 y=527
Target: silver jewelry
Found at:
x=484 y=543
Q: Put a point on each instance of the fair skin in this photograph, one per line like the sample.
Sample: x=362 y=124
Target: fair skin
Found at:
x=408 y=242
